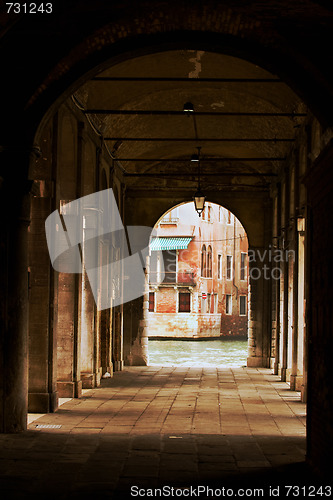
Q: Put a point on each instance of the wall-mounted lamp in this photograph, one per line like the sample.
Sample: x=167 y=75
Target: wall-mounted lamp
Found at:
x=300 y=224
x=198 y=198
x=188 y=108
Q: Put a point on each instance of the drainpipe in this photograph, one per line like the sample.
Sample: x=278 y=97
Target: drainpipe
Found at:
x=234 y=259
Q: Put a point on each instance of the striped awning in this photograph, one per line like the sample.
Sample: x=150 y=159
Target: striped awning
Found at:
x=170 y=243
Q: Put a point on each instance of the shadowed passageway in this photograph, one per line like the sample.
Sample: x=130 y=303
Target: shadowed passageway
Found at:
x=151 y=426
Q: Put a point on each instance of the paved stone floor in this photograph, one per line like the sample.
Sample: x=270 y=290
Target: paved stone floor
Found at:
x=151 y=427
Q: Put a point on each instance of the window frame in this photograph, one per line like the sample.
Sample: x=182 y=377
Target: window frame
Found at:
x=228 y=304
x=229 y=274
x=180 y=303
x=219 y=266
x=245 y=305
x=203 y=261
x=243 y=276
x=209 y=267
x=153 y=302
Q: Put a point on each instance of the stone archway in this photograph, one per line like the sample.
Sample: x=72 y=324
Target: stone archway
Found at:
x=202 y=294
x=283 y=43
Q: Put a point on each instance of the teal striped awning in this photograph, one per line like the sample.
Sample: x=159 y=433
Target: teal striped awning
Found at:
x=170 y=243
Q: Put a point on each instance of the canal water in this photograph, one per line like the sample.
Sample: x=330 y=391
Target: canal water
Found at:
x=221 y=353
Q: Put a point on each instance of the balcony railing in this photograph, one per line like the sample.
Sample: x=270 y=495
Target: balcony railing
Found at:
x=186 y=278
x=171 y=220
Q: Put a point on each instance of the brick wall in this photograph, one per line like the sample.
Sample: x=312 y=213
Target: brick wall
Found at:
x=184 y=325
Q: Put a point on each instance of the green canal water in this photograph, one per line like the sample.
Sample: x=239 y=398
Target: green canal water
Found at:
x=222 y=353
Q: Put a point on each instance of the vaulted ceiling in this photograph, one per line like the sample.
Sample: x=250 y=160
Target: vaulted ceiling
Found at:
x=244 y=119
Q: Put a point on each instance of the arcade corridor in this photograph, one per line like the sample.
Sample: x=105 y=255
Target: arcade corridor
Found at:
x=150 y=103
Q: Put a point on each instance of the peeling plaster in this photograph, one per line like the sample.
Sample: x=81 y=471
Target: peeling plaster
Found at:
x=197 y=64
x=215 y=105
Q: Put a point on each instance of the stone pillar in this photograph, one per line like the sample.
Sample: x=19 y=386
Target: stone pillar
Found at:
x=15 y=362
x=139 y=350
x=133 y=317
x=43 y=395
x=88 y=317
x=277 y=281
x=106 y=342
x=118 y=361
x=295 y=331
x=259 y=301
x=284 y=321
x=128 y=331
x=300 y=383
x=319 y=317
x=67 y=321
x=14 y=222
x=68 y=163
x=117 y=313
x=290 y=331
x=285 y=273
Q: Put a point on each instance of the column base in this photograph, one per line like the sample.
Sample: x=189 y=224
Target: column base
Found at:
x=296 y=382
x=258 y=362
x=98 y=376
x=91 y=380
x=42 y=402
x=304 y=394
x=271 y=362
x=88 y=380
x=283 y=374
x=276 y=368
x=288 y=376
x=118 y=366
x=69 y=389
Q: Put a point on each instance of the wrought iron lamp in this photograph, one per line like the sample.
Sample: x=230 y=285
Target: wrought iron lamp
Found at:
x=198 y=198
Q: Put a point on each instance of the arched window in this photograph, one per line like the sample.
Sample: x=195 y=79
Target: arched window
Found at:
x=203 y=261
x=209 y=262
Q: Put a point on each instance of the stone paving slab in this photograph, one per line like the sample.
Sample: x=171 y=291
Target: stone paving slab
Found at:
x=153 y=426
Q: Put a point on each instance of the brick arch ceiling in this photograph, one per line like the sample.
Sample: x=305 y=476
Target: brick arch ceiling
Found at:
x=244 y=119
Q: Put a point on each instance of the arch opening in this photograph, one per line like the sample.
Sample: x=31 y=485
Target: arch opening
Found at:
x=245 y=122
x=198 y=289
x=258 y=176
x=148 y=175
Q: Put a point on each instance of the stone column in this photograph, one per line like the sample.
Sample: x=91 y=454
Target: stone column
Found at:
x=286 y=275
x=295 y=330
x=14 y=222
x=118 y=361
x=319 y=317
x=67 y=314
x=67 y=322
x=139 y=351
x=301 y=337
x=259 y=305
x=106 y=344
x=117 y=312
x=88 y=307
x=43 y=395
x=67 y=318
x=277 y=280
x=284 y=321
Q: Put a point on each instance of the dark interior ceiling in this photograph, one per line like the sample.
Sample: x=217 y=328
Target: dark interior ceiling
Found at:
x=245 y=119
